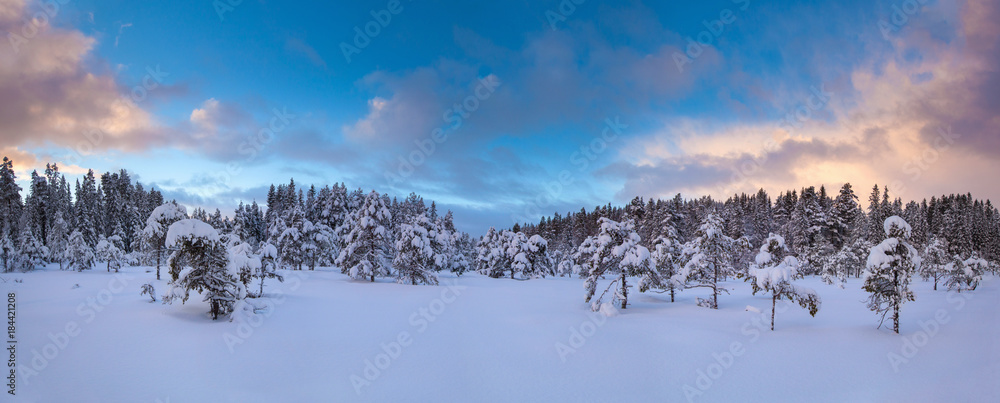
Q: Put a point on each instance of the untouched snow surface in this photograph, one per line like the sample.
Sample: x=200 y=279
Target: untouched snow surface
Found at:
x=492 y=340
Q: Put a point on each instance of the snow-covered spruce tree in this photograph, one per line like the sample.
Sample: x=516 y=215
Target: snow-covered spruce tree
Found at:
x=531 y=259
x=31 y=251
x=107 y=251
x=889 y=268
x=773 y=273
x=708 y=258
x=667 y=260
x=414 y=261
x=268 y=255
x=965 y=275
x=79 y=255
x=58 y=240
x=200 y=263
x=462 y=247
x=8 y=253
x=615 y=250
x=489 y=256
x=935 y=258
x=367 y=249
x=319 y=241
x=155 y=232
x=291 y=238
x=837 y=267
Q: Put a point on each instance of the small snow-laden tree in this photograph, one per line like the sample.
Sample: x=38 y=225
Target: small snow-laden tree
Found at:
x=319 y=241
x=79 y=255
x=291 y=238
x=58 y=240
x=860 y=248
x=889 y=268
x=773 y=273
x=268 y=255
x=414 y=261
x=531 y=259
x=464 y=253
x=31 y=252
x=667 y=260
x=367 y=248
x=615 y=250
x=837 y=267
x=708 y=258
x=965 y=275
x=490 y=259
x=935 y=258
x=107 y=251
x=155 y=231
x=244 y=261
x=7 y=251
x=201 y=263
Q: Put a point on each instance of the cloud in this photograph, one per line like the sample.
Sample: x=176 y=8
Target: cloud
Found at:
x=299 y=47
x=920 y=118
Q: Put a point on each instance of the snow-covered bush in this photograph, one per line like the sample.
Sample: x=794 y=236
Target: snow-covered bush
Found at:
x=935 y=258
x=107 y=251
x=965 y=275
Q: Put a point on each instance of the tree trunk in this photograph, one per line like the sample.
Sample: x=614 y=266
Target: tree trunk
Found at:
x=624 y=291
x=895 y=306
x=715 y=286
x=158 y=263
x=774 y=302
x=671 y=293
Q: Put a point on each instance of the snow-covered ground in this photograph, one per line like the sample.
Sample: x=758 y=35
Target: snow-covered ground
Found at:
x=328 y=338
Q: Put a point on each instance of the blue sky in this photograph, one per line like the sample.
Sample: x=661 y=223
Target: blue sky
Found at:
x=778 y=94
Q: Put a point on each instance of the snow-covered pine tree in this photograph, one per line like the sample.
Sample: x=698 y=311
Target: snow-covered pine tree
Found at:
x=463 y=249
x=935 y=258
x=415 y=256
x=965 y=275
x=291 y=238
x=79 y=255
x=708 y=258
x=837 y=267
x=615 y=250
x=155 y=232
x=489 y=261
x=774 y=273
x=531 y=258
x=31 y=251
x=367 y=250
x=268 y=255
x=107 y=251
x=667 y=260
x=889 y=268
x=201 y=263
